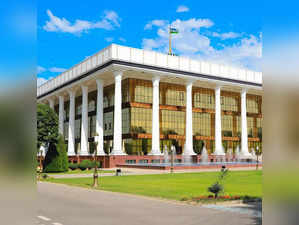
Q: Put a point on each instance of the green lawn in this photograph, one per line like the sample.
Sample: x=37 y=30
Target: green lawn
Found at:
x=78 y=171
x=175 y=186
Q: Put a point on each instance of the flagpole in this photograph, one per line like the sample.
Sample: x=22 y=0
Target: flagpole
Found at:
x=169 y=41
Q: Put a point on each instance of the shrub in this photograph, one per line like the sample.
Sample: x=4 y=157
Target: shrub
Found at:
x=84 y=164
x=73 y=166
x=56 y=159
x=215 y=189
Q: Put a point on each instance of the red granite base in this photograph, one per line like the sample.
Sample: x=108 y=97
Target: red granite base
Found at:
x=135 y=161
x=184 y=167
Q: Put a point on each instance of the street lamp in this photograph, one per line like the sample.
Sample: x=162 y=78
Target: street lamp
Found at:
x=172 y=149
x=95 y=172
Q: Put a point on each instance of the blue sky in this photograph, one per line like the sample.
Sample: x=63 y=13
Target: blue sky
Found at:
x=221 y=31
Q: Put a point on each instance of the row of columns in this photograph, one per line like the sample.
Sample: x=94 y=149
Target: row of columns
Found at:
x=117 y=132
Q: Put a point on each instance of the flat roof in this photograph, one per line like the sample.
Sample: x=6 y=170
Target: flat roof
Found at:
x=123 y=55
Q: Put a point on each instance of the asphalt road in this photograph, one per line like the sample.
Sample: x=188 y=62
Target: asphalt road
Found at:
x=65 y=205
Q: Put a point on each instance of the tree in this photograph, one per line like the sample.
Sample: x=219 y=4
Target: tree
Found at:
x=56 y=159
x=47 y=126
x=217 y=187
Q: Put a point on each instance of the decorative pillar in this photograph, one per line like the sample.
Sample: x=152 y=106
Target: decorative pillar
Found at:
x=84 y=122
x=61 y=116
x=117 y=125
x=99 y=119
x=244 y=136
x=189 y=128
x=51 y=103
x=155 y=118
x=71 y=138
x=218 y=131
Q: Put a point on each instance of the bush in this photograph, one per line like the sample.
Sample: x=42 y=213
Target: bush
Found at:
x=84 y=164
x=73 y=166
x=215 y=189
x=56 y=159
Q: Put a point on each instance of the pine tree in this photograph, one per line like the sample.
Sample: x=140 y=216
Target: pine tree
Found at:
x=56 y=159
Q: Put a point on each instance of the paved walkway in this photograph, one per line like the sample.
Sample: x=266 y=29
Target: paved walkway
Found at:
x=66 y=205
x=136 y=171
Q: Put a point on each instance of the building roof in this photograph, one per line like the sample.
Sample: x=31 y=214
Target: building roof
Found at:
x=153 y=60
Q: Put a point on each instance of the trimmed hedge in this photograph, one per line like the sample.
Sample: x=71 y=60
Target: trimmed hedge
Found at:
x=87 y=164
x=73 y=166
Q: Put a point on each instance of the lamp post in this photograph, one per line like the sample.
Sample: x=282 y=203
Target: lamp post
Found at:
x=95 y=172
x=172 y=149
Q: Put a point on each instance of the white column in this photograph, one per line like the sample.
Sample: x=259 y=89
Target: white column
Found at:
x=244 y=136
x=99 y=119
x=218 y=131
x=71 y=138
x=189 y=128
x=61 y=117
x=84 y=122
x=155 y=119
x=51 y=103
x=117 y=124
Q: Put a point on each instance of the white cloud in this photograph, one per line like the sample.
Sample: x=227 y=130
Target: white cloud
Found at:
x=228 y=35
x=182 y=8
x=40 y=69
x=109 y=21
x=158 y=23
x=109 y=39
x=192 y=42
x=122 y=39
x=57 y=70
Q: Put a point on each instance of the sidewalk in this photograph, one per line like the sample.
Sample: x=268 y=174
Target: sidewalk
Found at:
x=136 y=171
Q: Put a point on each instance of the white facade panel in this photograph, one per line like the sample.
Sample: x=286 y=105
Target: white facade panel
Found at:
x=88 y=64
x=84 y=67
x=149 y=57
x=123 y=53
x=215 y=69
x=100 y=59
x=195 y=66
x=173 y=62
x=205 y=67
x=242 y=74
x=161 y=60
x=93 y=61
x=136 y=55
x=184 y=64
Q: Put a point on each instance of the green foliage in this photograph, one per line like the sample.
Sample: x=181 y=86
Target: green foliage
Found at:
x=47 y=125
x=73 y=166
x=198 y=146
x=84 y=164
x=87 y=164
x=92 y=147
x=56 y=159
x=138 y=130
x=227 y=133
x=218 y=187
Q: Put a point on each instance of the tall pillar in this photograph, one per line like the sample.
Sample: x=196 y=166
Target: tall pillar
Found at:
x=71 y=138
x=155 y=118
x=84 y=122
x=218 y=131
x=117 y=125
x=61 y=116
x=244 y=136
x=51 y=103
x=99 y=119
x=189 y=128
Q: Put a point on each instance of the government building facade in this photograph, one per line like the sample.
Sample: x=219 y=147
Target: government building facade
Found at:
x=133 y=103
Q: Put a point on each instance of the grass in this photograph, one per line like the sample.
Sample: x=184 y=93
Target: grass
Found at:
x=78 y=171
x=175 y=186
